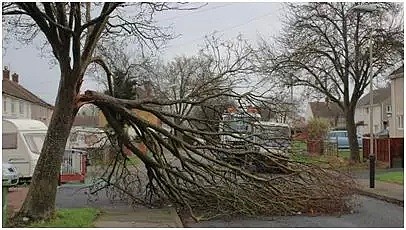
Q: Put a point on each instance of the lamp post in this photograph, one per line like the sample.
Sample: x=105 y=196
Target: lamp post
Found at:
x=370 y=8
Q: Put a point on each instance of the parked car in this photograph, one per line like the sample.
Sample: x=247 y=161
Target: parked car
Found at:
x=10 y=175
x=341 y=138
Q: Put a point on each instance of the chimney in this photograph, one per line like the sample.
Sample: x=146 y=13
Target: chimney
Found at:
x=6 y=73
x=15 y=77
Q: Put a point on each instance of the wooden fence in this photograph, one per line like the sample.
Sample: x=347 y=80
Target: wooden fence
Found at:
x=389 y=150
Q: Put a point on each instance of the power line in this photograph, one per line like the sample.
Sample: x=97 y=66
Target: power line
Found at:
x=223 y=30
x=196 y=12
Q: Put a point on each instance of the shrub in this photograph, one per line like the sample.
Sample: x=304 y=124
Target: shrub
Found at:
x=317 y=128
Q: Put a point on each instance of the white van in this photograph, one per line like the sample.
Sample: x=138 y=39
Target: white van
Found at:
x=22 y=144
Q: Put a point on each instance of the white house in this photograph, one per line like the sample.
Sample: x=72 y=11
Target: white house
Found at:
x=20 y=103
x=381 y=108
x=396 y=120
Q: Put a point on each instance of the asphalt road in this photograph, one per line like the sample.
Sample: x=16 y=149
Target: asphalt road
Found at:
x=370 y=213
x=75 y=196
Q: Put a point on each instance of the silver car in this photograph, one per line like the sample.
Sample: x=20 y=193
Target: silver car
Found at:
x=10 y=175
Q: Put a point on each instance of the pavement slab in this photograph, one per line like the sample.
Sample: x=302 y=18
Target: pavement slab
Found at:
x=385 y=191
x=139 y=218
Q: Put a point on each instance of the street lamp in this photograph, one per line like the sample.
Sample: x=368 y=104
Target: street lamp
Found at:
x=370 y=8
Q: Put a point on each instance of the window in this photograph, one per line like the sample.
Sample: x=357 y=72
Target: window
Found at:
x=9 y=141
x=341 y=134
x=4 y=105
x=400 y=121
x=35 y=141
x=21 y=107
x=366 y=110
x=388 y=109
x=12 y=106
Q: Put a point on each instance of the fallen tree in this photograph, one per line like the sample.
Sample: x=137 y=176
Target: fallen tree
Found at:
x=194 y=177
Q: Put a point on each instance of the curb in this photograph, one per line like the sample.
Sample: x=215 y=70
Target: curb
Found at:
x=381 y=197
x=177 y=218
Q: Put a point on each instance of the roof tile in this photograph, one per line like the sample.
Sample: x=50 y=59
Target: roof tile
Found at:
x=16 y=90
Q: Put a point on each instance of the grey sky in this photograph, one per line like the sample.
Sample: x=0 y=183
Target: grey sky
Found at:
x=227 y=18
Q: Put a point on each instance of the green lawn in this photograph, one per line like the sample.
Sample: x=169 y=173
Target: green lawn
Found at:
x=71 y=218
x=133 y=160
x=392 y=177
x=299 y=150
x=299 y=147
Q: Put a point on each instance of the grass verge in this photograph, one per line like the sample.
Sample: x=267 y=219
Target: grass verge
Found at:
x=392 y=177
x=71 y=218
x=134 y=160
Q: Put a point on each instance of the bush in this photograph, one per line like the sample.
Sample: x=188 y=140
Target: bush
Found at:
x=317 y=128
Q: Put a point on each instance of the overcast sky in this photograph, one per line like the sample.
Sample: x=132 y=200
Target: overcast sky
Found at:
x=227 y=19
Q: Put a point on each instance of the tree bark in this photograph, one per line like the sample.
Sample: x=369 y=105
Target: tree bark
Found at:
x=352 y=136
x=40 y=200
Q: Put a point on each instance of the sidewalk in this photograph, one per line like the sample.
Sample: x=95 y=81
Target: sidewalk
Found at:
x=15 y=199
x=139 y=218
x=389 y=192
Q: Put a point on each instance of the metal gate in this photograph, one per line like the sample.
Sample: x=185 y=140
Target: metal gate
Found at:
x=73 y=167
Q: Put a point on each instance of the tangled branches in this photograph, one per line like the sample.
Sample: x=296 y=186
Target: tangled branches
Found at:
x=197 y=177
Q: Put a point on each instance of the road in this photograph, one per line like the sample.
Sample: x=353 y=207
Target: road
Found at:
x=370 y=213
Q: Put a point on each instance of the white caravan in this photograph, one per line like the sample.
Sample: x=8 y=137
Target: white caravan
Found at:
x=22 y=144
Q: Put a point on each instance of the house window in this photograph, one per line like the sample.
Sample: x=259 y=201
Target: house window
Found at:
x=21 y=107
x=12 y=106
x=366 y=110
x=4 y=105
x=400 y=121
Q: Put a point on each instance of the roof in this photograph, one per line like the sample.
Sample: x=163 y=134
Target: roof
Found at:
x=26 y=124
x=326 y=110
x=397 y=73
x=380 y=96
x=16 y=90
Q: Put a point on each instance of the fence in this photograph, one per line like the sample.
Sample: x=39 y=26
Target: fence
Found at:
x=388 y=150
x=73 y=166
x=321 y=146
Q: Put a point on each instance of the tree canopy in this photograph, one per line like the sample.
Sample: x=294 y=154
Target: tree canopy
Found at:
x=324 y=47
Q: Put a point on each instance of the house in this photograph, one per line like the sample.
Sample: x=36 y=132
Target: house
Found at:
x=326 y=110
x=381 y=108
x=396 y=121
x=20 y=103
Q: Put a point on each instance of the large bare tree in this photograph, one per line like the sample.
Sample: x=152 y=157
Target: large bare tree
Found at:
x=324 y=46
x=190 y=176
x=72 y=31
x=194 y=175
